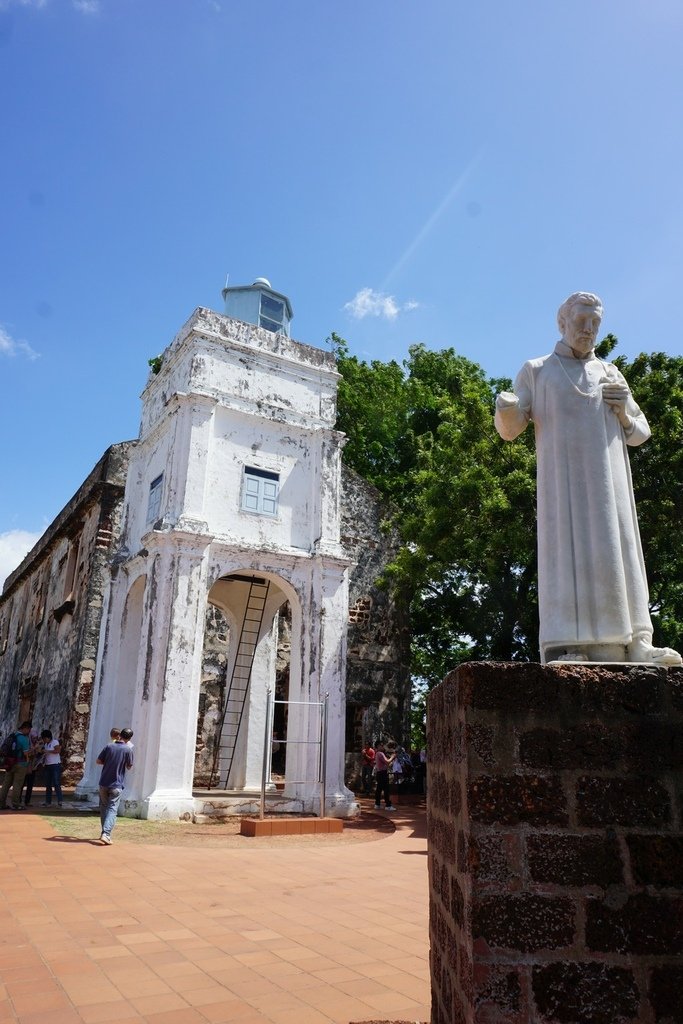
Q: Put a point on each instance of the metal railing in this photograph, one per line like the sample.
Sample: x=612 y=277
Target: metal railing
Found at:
x=320 y=742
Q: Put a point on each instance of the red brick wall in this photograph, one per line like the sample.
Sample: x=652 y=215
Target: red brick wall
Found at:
x=555 y=802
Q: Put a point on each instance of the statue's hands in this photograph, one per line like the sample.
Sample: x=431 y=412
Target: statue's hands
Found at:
x=506 y=400
x=617 y=394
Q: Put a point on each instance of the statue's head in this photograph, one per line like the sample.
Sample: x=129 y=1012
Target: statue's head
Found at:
x=579 y=319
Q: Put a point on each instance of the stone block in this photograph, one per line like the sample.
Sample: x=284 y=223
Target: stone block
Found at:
x=506 y=687
x=589 y=745
x=640 y=924
x=585 y=993
x=517 y=799
x=498 y=992
x=666 y=993
x=457 y=903
x=654 y=746
x=639 y=802
x=480 y=740
x=524 y=923
x=657 y=860
x=441 y=836
x=491 y=858
x=614 y=692
x=465 y=972
x=571 y=860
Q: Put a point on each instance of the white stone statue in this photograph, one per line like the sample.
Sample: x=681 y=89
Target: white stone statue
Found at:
x=593 y=594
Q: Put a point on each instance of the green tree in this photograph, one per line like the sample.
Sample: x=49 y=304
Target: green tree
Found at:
x=464 y=500
x=423 y=434
x=657 y=469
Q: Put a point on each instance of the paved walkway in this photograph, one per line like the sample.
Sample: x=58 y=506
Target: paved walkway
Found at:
x=176 y=935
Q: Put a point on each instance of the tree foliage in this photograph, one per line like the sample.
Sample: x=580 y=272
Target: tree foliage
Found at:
x=657 y=469
x=464 y=500
x=423 y=434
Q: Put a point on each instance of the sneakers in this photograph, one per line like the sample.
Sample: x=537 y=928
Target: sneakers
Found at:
x=378 y=807
x=104 y=838
x=390 y=807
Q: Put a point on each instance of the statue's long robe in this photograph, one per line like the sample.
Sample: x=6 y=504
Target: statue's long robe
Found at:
x=591 y=574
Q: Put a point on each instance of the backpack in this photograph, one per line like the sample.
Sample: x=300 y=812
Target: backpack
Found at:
x=9 y=752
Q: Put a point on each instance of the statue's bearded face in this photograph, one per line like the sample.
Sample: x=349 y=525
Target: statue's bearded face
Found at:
x=581 y=328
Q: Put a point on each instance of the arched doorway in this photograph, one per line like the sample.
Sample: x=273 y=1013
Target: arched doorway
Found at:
x=129 y=652
x=241 y=661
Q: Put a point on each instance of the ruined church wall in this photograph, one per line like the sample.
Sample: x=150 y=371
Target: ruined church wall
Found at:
x=50 y=614
x=378 y=687
x=211 y=694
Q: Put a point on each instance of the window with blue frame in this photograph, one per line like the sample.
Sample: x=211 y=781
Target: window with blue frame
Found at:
x=260 y=491
x=272 y=314
x=154 y=500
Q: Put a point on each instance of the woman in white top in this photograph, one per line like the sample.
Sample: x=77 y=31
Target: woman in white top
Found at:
x=53 y=767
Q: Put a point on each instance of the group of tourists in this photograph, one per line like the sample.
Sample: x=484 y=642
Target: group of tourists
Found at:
x=383 y=767
x=23 y=753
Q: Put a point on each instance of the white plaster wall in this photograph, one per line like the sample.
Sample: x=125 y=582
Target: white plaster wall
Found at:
x=240 y=441
x=244 y=366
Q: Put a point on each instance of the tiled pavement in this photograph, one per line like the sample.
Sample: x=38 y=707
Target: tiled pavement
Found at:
x=177 y=935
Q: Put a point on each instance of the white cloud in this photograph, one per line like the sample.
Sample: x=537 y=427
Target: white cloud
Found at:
x=87 y=6
x=10 y=347
x=367 y=302
x=14 y=544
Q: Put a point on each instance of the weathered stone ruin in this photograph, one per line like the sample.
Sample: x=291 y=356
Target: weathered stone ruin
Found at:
x=51 y=612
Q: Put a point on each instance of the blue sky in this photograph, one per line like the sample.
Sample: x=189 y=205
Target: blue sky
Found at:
x=437 y=172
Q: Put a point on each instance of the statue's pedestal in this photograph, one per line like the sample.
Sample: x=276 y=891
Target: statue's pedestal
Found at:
x=555 y=799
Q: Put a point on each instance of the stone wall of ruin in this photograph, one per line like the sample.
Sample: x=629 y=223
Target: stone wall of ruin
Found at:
x=50 y=614
x=378 y=652
x=555 y=804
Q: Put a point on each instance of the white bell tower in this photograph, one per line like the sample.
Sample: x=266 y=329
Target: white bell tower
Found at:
x=235 y=478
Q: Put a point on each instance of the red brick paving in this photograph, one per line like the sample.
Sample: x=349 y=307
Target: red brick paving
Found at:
x=177 y=935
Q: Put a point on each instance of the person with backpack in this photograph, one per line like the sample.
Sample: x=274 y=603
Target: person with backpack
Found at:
x=15 y=754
